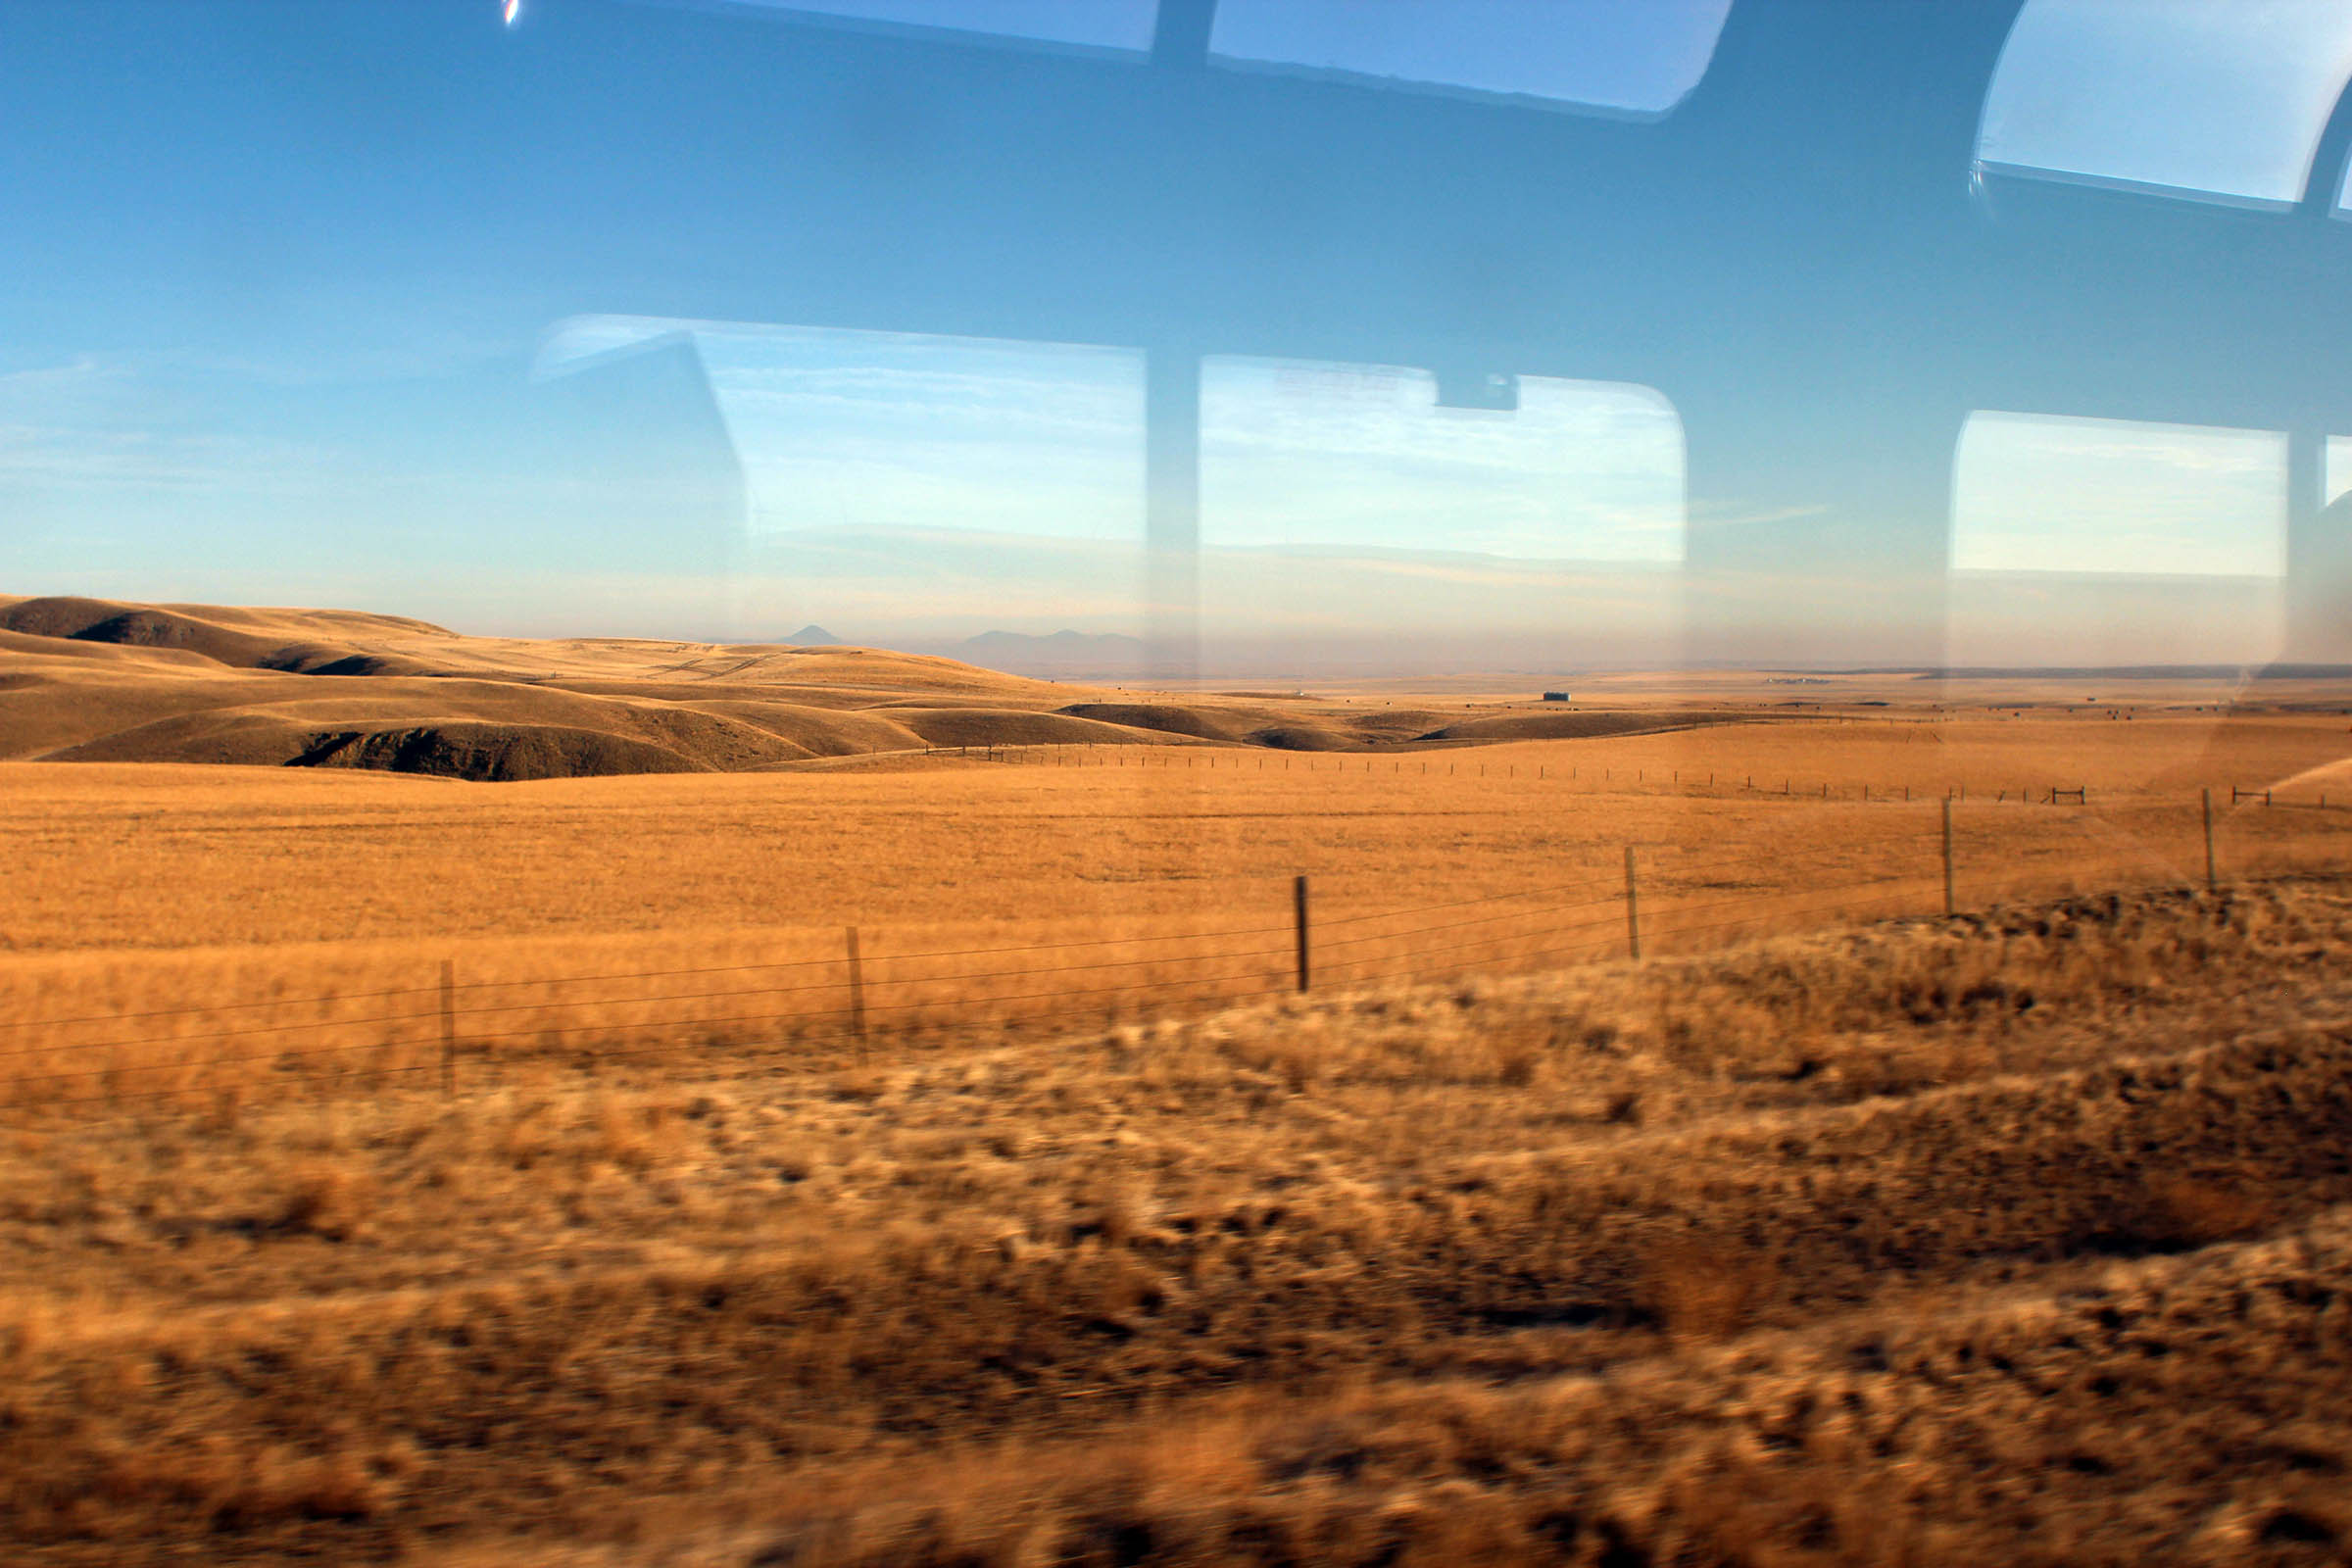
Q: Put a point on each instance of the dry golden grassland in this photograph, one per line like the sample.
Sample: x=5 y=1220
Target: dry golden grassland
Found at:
x=189 y=929
x=1836 y=1231
x=2010 y=1238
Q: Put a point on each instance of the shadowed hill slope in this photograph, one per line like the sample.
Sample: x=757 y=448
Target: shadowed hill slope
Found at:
x=1576 y=724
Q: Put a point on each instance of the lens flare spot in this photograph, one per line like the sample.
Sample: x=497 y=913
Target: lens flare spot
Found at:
x=514 y=12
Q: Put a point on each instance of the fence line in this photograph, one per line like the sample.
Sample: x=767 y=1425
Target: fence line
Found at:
x=1214 y=752
x=858 y=992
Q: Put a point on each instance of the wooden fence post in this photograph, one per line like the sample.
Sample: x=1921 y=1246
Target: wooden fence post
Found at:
x=1298 y=918
x=449 y=1027
x=856 y=989
x=1951 y=902
x=2210 y=880
x=1633 y=907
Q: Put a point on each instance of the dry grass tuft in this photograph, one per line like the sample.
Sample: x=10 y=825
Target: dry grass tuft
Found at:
x=1697 y=1292
x=324 y=1201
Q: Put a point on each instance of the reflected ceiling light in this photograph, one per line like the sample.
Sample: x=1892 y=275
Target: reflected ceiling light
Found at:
x=2213 y=100
x=1638 y=59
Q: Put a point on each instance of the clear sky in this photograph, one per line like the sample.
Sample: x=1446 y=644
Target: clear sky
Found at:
x=718 y=317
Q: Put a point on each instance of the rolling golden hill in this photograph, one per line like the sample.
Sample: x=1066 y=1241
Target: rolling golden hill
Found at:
x=99 y=682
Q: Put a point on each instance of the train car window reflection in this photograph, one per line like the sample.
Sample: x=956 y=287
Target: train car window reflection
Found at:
x=2039 y=493
x=2103 y=541
x=1595 y=55
x=1114 y=26
x=2213 y=100
x=840 y=429
x=1305 y=454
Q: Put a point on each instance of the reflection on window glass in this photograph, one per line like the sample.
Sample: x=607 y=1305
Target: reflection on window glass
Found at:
x=1339 y=457
x=1598 y=54
x=1121 y=25
x=851 y=431
x=2218 y=99
x=2339 y=467
x=2034 y=493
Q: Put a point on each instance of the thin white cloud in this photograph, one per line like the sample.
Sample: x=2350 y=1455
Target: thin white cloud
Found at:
x=88 y=458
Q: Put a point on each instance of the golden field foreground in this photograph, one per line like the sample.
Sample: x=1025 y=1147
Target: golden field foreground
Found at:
x=904 y=1155
x=2015 y=1238
x=178 y=930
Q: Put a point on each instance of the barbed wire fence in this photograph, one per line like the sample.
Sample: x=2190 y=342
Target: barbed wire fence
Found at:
x=1182 y=753
x=868 y=995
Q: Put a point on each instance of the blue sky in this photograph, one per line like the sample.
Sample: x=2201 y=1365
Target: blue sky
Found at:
x=303 y=306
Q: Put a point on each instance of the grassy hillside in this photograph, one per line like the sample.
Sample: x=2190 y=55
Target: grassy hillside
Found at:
x=90 y=680
x=2004 y=1239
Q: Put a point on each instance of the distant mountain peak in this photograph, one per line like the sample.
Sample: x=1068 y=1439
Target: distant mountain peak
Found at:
x=812 y=636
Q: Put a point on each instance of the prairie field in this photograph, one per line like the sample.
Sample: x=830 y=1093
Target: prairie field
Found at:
x=176 y=929
x=2019 y=1237
x=459 y=1143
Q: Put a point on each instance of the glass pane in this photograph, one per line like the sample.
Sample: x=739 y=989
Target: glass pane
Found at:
x=2105 y=542
x=1597 y=54
x=938 y=480
x=1118 y=25
x=1303 y=454
x=2036 y=493
x=2217 y=99
x=878 y=429
x=1379 y=519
